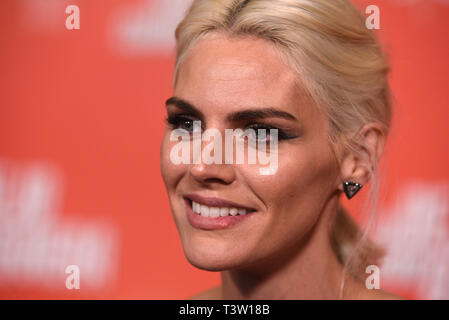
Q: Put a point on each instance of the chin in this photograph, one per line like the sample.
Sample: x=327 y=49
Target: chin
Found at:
x=207 y=265
x=213 y=257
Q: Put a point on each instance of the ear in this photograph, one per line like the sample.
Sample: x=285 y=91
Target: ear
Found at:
x=358 y=165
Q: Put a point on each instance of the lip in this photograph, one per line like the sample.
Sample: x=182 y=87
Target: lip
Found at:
x=216 y=202
x=219 y=223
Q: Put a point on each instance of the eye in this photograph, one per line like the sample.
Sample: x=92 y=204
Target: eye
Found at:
x=265 y=134
x=259 y=134
x=181 y=122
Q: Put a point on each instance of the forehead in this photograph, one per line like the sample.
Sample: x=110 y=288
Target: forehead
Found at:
x=228 y=72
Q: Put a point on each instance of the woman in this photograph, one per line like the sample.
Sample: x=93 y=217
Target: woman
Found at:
x=310 y=70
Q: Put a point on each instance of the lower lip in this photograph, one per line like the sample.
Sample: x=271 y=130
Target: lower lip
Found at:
x=206 y=223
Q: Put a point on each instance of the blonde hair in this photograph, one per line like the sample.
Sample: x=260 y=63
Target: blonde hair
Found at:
x=340 y=63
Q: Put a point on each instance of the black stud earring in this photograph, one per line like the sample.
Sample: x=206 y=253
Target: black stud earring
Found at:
x=351 y=188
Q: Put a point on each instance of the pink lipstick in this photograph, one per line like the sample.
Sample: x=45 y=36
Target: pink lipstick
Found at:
x=210 y=213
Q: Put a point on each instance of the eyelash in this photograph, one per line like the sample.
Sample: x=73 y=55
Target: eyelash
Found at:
x=282 y=135
x=176 y=121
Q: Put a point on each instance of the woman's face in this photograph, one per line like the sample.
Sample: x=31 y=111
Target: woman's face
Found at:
x=219 y=81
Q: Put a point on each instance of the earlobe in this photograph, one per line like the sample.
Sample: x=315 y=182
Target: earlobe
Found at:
x=354 y=174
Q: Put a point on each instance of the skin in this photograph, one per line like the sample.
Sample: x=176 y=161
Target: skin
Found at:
x=283 y=250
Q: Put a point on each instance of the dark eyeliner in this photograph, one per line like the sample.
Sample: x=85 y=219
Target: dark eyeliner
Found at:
x=175 y=121
x=282 y=135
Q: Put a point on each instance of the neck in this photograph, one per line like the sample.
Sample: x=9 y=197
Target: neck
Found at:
x=310 y=270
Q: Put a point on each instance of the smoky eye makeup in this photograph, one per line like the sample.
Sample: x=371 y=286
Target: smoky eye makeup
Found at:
x=283 y=134
x=182 y=121
x=185 y=122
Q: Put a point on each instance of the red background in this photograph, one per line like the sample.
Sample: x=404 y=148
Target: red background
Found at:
x=78 y=101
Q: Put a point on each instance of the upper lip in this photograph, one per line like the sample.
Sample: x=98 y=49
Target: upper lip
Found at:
x=216 y=202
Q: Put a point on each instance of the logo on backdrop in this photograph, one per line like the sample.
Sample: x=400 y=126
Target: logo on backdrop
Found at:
x=37 y=245
x=72 y=22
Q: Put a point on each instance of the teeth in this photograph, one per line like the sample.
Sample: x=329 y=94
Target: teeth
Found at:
x=224 y=212
x=204 y=211
x=196 y=207
x=215 y=212
x=242 y=212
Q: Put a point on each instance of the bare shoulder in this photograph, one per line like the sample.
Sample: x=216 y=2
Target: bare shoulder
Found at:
x=358 y=290
x=209 y=294
x=378 y=294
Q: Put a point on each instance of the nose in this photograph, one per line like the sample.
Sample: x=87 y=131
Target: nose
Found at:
x=213 y=173
x=210 y=171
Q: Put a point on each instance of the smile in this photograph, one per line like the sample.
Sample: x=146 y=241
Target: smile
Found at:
x=213 y=213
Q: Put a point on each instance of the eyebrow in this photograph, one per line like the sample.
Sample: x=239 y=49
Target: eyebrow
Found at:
x=184 y=105
x=243 y=115
x=259 y=114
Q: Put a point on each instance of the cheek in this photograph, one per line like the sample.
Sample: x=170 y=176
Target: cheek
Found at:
x=310 y=179
x=293 y=197
x=171 y=173
x=299 y=173
x=300 y=187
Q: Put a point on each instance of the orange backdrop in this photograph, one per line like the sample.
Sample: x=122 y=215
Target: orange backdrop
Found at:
x=81 y=120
